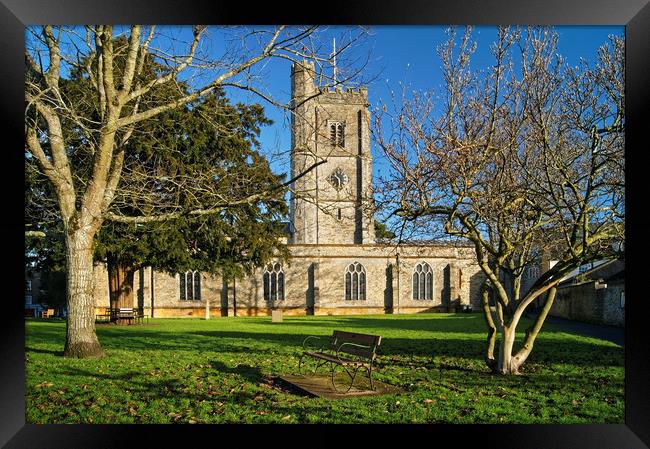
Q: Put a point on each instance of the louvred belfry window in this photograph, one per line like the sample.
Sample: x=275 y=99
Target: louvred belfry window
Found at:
x=337 y=133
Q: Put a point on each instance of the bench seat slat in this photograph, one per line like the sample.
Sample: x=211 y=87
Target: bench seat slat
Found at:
x=332 y=358
x=360 y=339
x=359 y=352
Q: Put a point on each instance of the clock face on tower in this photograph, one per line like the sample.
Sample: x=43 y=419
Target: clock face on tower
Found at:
x=338 y=179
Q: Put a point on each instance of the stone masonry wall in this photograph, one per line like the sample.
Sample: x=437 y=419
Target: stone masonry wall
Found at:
x=613 y=313
x=314 y=284
x=583 y=302
x=578 y=302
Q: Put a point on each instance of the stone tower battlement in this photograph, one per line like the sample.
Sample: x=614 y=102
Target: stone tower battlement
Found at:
x=330 y=141
x=346 y=95
x=304 y=85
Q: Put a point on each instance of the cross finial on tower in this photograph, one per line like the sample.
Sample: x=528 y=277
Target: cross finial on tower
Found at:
x=334 y=57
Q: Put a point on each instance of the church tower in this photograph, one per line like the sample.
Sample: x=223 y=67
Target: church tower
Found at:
x=330 y=137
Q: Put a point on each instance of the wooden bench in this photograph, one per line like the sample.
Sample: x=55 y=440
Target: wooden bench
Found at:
x=48 y=313
x=125 y=313
x=103 y=317
x=138 y=314
x=348 y=350
x=128 y=314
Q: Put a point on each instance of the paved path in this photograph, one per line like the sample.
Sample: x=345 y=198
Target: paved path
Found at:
x=610 y=333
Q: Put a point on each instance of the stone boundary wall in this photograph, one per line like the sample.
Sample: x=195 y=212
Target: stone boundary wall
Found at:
x=584 y=302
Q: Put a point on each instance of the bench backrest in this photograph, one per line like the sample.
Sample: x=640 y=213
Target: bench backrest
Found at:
x=126 y=310
x=373 y=341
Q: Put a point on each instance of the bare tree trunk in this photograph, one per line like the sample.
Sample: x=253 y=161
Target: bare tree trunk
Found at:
x=81 y=340
x=505 y=363
x=492 y=330
x=533 y=331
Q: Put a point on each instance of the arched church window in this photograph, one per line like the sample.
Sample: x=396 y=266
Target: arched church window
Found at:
x=423 y=282
x=273 y=279
x=190 y=286
x=355 y=282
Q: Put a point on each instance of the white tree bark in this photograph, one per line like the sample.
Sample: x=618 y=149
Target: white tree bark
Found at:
x=81 y=339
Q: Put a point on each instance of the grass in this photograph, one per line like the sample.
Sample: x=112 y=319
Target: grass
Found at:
x=221 y=371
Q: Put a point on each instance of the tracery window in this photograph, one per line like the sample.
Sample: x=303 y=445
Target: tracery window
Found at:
x=337 y=133
x=273 y=279
x=532 y=272
x=423 y=282
x=190 y=286
x=355 y=282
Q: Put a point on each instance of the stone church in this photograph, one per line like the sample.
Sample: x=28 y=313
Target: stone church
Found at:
x=337 y=265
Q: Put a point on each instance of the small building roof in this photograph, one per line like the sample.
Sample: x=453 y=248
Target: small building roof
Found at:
x=607 y=271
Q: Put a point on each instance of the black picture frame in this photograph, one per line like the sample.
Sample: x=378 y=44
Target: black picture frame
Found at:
x=634 y=14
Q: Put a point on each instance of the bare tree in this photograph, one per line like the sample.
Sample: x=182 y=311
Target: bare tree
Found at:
x=524 y=160
x=86 y=167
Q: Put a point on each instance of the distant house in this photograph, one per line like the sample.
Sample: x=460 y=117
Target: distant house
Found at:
x=593 y=294
x=32 y=284
x=44 y=293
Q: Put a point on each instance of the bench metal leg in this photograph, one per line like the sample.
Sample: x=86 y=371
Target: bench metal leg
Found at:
x=352 y=375
x=372 y=387
x=318 y=364
x=300 y=363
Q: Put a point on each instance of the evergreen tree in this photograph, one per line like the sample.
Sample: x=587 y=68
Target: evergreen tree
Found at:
x=211 y=134
x=209 y=144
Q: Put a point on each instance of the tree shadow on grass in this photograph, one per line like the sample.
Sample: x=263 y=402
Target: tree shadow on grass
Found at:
x=43 y=351
x=571 y=350
x=255 y=376
x=432 y=322
x=248 y=372
x=544 y=388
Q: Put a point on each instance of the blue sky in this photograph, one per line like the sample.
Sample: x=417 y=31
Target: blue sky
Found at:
x=404 y=56
x=399 y=56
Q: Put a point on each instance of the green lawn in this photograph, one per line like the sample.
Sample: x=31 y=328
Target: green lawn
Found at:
x=220 y=371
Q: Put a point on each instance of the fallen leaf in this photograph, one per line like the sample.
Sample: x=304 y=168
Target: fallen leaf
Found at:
x=176 y=416
x=428 y=401
x=286 y=417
